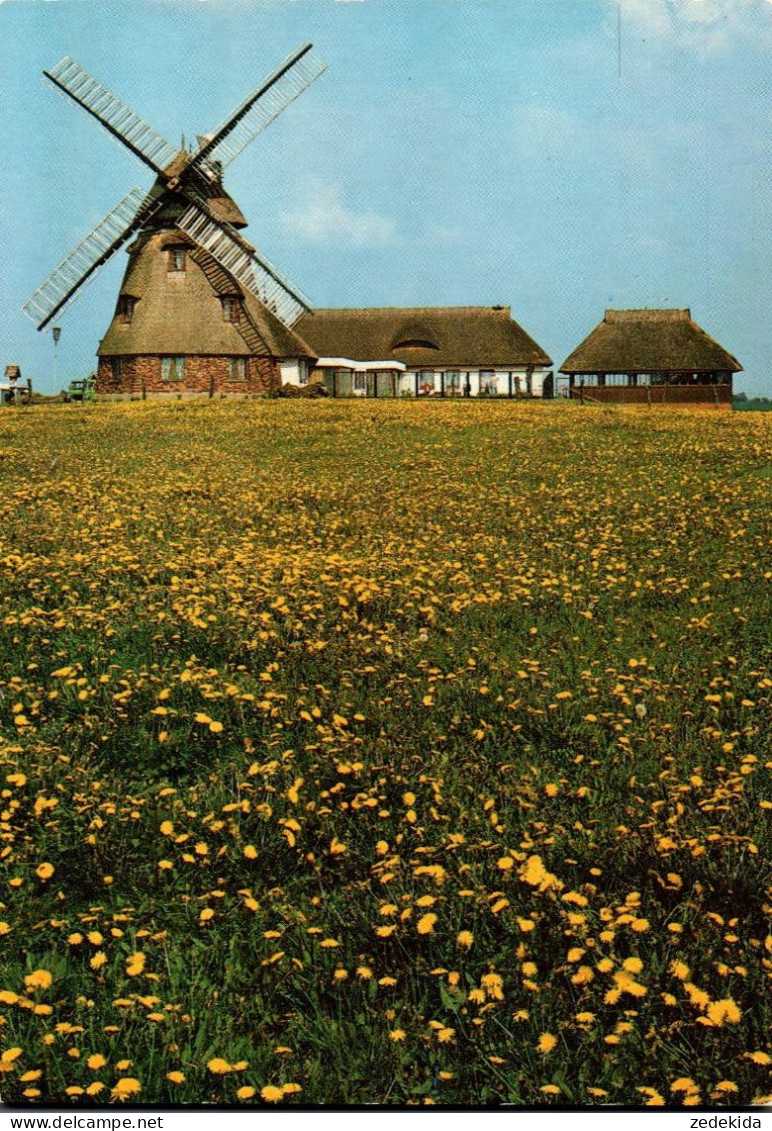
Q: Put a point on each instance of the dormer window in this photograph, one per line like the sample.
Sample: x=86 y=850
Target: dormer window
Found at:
x=177 y=257
x=125 y=311
x=231 y=308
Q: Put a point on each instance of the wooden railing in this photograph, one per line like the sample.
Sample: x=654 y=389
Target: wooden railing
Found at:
x=719 y=396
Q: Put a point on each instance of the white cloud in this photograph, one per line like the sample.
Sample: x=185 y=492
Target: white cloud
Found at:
x=321 y=216
x=698 y=24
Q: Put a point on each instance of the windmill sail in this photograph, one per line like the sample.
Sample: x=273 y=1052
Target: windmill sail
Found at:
x=260 y=108
x=257 y=275
x=115 y=116
x=91 y=253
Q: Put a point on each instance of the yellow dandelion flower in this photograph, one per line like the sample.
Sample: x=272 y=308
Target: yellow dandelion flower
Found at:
x=271 y=1094
x=723 y=1012
x=328 y=944
x=758 y=1057
x=465 y=939
x=175 y=1077
x=135 y=964
x=31 y=1076
x=550 y=1089
x=546 y=1043
x=684 y=1084
x=425 y=925
x=632 y=965
x=246 y=1093
x=218 y=1066
x=96 y=1061
x=679 y=970
x=726 y=1086
x=98 y=960
x=397 y=1035
x=250 y=852
x=126 y=1086
x=38 y=980
x=44 y=871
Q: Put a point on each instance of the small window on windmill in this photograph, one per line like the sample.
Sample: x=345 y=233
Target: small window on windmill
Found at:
x=237 y=368
x=125 y=312
x=177 y=259
x=172 y=368
x=116 y=365
x=231 y=307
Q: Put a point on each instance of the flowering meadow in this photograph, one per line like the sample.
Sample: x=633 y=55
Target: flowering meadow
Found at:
x=385 y=752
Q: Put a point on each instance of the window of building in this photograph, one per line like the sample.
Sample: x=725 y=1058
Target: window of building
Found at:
x=453 y=381
x=116 y=368
x=426 y=381
x=177 y=259
x=172 y=368
x=231 y=307
x=237 y=368
x=359 y=382
x=303 y=372
x=125 y=311
x=488 y=382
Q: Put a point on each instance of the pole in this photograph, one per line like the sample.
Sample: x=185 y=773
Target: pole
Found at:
x=56 y=332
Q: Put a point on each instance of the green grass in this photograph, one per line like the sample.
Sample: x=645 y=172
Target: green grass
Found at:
x=503 y=664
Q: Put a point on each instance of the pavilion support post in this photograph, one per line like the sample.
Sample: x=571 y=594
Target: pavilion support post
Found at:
x=442 y=383
x=334 y=383
x=416 y=383
x=510 y=384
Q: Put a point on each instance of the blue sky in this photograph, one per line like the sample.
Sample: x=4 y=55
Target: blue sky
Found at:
x=454 y=153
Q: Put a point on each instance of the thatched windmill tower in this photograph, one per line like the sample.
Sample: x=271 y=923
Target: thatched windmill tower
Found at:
x=198 y=309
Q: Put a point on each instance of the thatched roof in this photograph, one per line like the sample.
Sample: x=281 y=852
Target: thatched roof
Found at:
x=179 y=312
x=436 y=337
x=649 y=341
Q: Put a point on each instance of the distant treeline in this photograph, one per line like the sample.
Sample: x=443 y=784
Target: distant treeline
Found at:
x=751 y=404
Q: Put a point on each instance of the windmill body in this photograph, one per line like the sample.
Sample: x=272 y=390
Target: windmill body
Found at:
x=198 y=310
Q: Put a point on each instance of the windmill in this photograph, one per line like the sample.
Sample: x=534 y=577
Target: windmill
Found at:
x=186 y=220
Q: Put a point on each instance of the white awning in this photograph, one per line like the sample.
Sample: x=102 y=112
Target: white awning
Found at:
x=359 y=366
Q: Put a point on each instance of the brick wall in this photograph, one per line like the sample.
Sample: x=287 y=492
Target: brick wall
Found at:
x=143 y=374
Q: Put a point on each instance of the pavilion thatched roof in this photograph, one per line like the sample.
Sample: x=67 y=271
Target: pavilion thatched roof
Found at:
x=435 y=337
x=649 y=341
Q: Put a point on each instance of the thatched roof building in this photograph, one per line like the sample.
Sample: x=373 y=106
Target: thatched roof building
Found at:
x=180 y=312
x=461 y=337
x=665 y=342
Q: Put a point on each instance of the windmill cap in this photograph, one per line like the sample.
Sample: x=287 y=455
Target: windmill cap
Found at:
x=12 y=371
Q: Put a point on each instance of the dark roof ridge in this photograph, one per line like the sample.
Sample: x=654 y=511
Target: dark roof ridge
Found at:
x=498 y=309
x=649 y=314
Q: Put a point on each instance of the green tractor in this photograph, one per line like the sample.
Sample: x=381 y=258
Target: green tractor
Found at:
x=82 y=389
